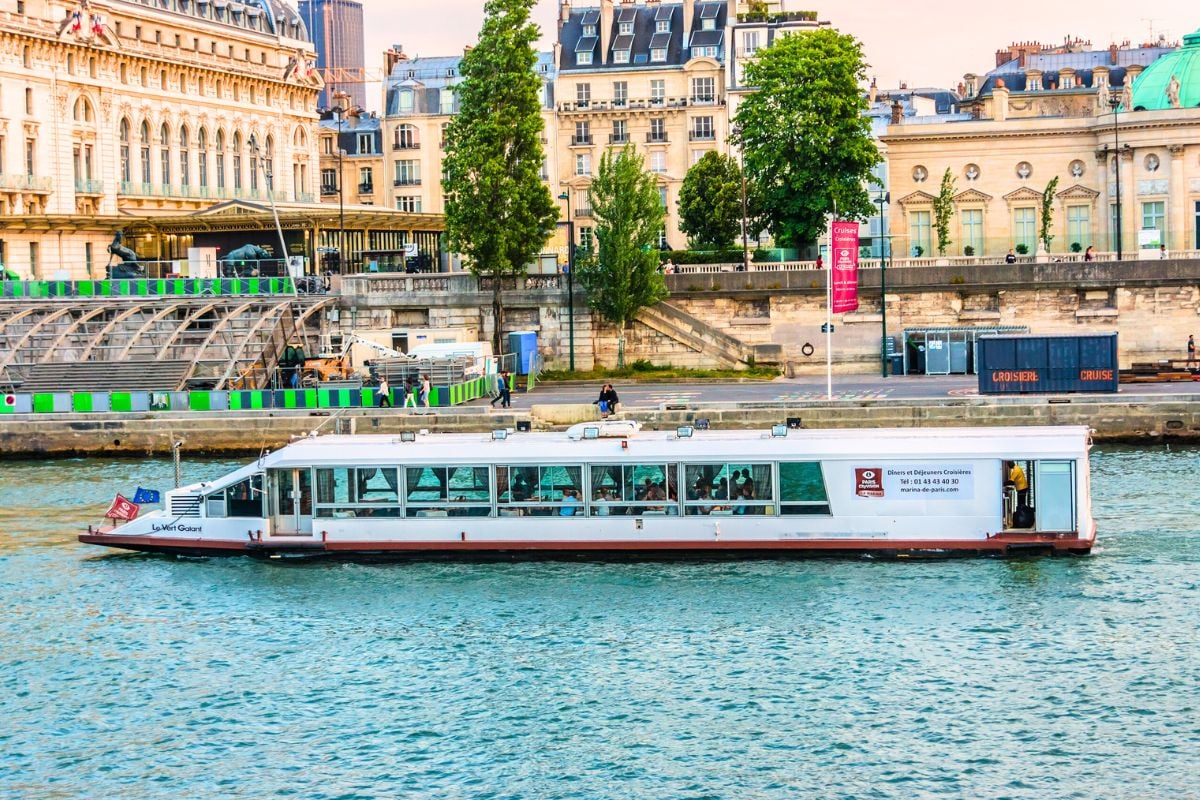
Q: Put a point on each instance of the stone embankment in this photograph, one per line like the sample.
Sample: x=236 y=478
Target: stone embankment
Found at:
x=1145 y=419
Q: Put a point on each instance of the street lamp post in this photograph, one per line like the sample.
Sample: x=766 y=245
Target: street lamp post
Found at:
x=1115 y=102
x=570 y=281
x=340 y=110
x=884 y=197
x=745 y=224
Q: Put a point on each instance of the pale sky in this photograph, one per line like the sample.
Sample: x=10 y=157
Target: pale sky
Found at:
x=926 y=43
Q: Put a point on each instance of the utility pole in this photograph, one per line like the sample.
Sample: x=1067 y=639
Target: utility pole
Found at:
x=1115 y=101
x=570 y=280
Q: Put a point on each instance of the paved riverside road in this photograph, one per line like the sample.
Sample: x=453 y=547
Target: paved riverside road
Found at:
x=797 y=390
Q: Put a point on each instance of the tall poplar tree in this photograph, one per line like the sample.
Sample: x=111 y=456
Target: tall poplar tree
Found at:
x=622 y=276
x=805 y=140
x=499 y=214
x=943 y=211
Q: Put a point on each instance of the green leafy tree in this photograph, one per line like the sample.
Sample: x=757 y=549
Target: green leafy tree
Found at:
x=943 y=212
x=621 y=276
x=710 y=202
x=1048 y=212
x=805 y=141
x=499 y=214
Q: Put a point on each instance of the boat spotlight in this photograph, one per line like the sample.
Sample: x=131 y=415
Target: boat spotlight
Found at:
x=408 y=436
x=591 y=432
x=779 y=431
x=500 y=434
x=683 y=432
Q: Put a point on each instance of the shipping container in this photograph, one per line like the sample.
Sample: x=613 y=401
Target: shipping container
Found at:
x=1052 y=363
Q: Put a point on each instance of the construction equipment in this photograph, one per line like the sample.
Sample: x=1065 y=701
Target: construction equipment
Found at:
x=339 y=367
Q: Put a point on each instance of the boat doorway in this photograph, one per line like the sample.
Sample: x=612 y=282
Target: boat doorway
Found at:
x=291 y=502
x=1039 y=496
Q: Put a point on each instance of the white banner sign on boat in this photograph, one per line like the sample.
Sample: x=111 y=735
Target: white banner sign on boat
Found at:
x=916 y=481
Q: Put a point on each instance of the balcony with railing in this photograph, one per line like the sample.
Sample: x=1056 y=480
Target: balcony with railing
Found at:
x=403 y=145
x=407 y=181
x=618 y=138
x=656 y=138
x=88 y=186
x=704 y=99
x=366 y=188
x=583 y=213
x=581 y=141
x=702 y=136
x=26 y=183
x=626 y=104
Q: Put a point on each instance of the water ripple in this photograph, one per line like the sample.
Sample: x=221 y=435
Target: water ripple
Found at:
x=149 y=677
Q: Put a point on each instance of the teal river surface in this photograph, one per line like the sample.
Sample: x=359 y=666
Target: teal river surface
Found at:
x=132 y=676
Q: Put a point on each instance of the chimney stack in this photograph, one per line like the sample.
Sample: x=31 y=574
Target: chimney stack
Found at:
x=689 y=13
x=1112 y=54
x=873 y=92
x=897 y=112
x=1000 y=101
x=606 y=23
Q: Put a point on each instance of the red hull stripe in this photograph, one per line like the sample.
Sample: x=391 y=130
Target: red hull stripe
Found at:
x=996 y=544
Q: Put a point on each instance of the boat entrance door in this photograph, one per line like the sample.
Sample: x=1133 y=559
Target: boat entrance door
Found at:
x=1055 y=496
x=291 y=502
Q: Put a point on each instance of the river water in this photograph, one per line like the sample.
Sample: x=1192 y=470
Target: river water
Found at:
x=133 y=676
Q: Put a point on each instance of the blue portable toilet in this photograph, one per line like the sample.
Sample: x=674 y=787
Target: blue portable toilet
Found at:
x=524 y=344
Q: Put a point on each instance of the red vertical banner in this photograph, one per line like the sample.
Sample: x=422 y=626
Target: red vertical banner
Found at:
x=844 y=263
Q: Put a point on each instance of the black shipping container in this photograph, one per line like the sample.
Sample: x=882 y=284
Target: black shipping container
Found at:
x=1055 y=363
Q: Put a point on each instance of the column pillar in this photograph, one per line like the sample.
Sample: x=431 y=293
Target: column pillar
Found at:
x=1131 y=220
x=1177 y=195
x=1102 y=223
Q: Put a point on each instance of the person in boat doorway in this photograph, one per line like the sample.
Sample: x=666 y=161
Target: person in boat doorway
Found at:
x=384 y=392
x=608 y=402
x=1017 y=480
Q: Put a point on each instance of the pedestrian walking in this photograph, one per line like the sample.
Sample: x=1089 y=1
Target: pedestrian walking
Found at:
x=1191 y=350
x=425 y=391
x=410 y=394
x=384 y=392
x=503 y=394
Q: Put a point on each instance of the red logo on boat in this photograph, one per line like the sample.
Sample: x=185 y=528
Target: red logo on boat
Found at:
x=868 y=481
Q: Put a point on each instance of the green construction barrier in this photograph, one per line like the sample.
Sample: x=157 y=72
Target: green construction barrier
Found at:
x=121 y=401
x=199 y=401
x=81 y=402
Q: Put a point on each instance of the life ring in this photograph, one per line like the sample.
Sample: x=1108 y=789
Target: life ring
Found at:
x=807 y=349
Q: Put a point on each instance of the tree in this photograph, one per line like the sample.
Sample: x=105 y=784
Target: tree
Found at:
x=622 y=276
x=1048 y=213
x=710 y=202
x=499 y=214
x=805 y=141
x=943 y=211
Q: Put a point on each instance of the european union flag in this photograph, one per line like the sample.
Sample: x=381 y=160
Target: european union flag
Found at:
x=143 y=496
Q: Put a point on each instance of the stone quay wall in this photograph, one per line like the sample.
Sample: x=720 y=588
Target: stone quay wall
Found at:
x=1153 y=305
x=1138 y=419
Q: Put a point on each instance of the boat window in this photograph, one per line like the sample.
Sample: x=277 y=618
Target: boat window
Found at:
x=802 y=488
x=214 y=504
x=362 y=492
x=634 y=489
x=540 y=491
x=740 y=489
x=245 y=498
x=448 y=491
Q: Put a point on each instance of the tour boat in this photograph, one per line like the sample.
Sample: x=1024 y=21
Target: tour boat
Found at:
x=609 y=489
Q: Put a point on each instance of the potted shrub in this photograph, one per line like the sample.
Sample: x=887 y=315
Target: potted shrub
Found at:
x=1076 y=247
x=1022 y=249
x=969 y=250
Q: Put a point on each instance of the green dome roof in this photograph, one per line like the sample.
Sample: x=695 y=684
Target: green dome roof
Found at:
x=1150 y=88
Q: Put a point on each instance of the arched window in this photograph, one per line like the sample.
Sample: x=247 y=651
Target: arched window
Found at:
x=300 y=139
x=220 y=160
x=253 y=95
x=269 y=162
x=123 y=135
x=220 y=89
x=164 y=153
x=185 y=174
x=144 y=147
x=83 y=111
x=254 y=163
x=202 y=157
x=237 y=162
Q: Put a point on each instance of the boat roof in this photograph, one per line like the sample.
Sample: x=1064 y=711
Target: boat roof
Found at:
x=740 y=446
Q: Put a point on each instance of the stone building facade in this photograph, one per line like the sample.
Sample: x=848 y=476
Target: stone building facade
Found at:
x=114 y=109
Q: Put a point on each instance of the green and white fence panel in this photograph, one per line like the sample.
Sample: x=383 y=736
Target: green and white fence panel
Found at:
x=145 y=287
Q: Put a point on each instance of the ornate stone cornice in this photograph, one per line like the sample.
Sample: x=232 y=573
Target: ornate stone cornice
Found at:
x=916 y=198
x=1078 y=192
x=972 y=196
x=1024 y=193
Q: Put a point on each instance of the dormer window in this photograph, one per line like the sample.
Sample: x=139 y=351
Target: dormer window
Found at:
x=658 y=54
x=662 y=26
x=625 y=29
x=621 y=57
x=583 y=58
x=589 y=30
x=708 y=24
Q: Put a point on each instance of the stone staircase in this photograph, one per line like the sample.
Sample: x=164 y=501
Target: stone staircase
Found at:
x=698 y=335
